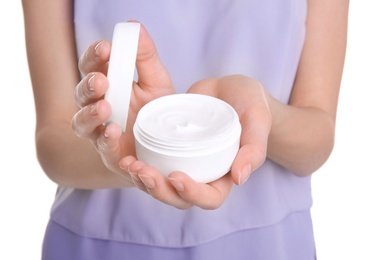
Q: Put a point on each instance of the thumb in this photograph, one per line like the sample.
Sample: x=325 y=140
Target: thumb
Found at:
x=151 y=71
x=254 y=142
x=249 y=158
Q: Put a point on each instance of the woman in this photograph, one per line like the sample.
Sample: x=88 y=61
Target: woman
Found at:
x=278 y=63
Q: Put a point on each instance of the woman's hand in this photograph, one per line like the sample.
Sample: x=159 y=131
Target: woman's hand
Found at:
x=178 y=190
x=117 y=149
x=154 y=81
x=247 y=97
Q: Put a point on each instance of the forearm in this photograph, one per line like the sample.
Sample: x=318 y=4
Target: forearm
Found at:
x=72 y=161
x=301 y=139
x=302 y=135
x=65 y=158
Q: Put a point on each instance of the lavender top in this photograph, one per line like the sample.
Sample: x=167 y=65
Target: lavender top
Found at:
x=197 y=39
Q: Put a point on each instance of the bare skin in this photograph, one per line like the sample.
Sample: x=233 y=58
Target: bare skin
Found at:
x=298 y=136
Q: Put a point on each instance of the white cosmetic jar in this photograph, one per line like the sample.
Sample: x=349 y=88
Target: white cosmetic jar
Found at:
x=192 y=133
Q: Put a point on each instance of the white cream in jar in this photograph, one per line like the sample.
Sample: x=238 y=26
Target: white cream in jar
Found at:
x=196 y=134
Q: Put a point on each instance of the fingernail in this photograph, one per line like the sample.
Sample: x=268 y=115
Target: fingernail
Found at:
x=245 y=174
x=106 y=133
x=177 y=184
x=91 y=83
x=93 y=109
x=148 y=181
x=97 y=49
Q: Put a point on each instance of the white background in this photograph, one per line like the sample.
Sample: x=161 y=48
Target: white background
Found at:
x=339 y=187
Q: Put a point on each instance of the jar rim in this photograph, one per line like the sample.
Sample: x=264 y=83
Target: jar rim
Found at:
x=216 y=126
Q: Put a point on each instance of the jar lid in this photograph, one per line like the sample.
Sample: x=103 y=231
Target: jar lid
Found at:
x=187 y=124
x=121 y=70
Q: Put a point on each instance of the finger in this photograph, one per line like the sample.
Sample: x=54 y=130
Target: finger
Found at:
x=95 y=58
x=151 y=71
x=126 y=161
x=256 y=125
x=133 y=170
x=91 y=88
x=248 y=159
x=108 y=146
x=207 y=196
x=160 y=188
x=87 y=122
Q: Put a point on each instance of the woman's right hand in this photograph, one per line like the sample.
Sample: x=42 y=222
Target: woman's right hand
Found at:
x=154 y=81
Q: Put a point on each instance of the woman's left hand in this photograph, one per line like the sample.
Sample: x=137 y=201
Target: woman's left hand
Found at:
x=247 y=97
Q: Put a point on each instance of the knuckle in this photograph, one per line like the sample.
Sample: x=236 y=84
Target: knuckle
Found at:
x=82 y=63
x=83 y=93
x=86 y=60
x=77 y=94
x=74 y=125
x=78 y=123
